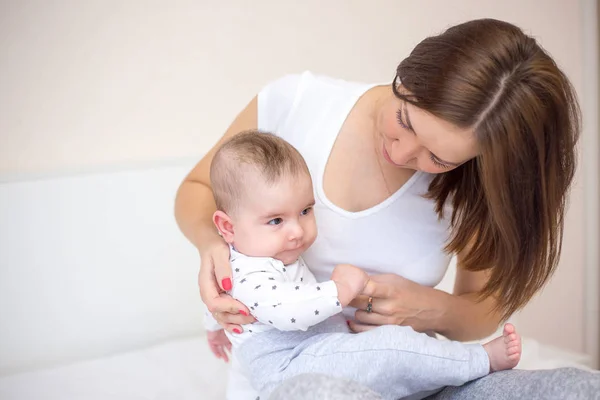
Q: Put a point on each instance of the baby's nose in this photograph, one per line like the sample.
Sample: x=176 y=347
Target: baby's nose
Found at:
x=295 y=232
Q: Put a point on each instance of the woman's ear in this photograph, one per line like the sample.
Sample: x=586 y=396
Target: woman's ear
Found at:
x=224 y=225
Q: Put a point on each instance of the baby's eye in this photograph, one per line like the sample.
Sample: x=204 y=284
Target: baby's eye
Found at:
x=275 y=221
x=306 y=211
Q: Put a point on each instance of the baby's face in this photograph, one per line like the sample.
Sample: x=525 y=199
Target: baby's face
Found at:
x=276 y=220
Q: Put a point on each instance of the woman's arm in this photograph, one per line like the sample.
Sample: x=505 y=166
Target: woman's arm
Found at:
x=462 y=317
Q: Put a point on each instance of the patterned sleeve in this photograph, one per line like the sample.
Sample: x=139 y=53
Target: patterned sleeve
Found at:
x=288 y=306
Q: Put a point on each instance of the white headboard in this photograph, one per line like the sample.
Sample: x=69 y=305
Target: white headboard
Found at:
x=91 y=265
x=94 y=264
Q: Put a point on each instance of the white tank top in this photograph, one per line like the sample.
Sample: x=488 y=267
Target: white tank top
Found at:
x=401 y=235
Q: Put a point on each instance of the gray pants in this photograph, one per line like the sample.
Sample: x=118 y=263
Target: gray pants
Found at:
x=555 y=384
x=393 y=361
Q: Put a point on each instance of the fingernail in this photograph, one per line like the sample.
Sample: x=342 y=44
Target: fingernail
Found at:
x=236 y=330
x=226 y=284
x=348 y=322
x=243 y=313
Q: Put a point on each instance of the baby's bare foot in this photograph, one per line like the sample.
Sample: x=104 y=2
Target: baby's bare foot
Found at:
x=504 y=351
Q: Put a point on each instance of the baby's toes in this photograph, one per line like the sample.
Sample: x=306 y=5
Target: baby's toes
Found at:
x=508 y=329
x=510 y=338
x=513 y=350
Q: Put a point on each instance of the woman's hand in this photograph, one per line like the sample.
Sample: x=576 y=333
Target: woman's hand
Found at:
x=215 y=267
x=396 y=301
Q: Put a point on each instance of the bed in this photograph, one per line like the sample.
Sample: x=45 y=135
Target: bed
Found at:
x=98 y=296
x=180 y=369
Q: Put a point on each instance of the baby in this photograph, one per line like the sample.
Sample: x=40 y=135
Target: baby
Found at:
x=264 y=196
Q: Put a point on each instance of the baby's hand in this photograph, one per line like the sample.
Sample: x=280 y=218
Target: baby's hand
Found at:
x=350 y=282
x=218 y=342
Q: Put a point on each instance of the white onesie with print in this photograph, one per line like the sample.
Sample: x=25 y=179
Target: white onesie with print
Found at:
x=287 y=298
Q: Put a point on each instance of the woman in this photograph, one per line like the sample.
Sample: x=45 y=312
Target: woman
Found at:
x=470 y=151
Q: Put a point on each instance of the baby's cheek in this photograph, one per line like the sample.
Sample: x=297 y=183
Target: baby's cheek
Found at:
x=312 y=235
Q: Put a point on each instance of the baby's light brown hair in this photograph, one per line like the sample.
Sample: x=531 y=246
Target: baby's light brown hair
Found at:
x=254 y=152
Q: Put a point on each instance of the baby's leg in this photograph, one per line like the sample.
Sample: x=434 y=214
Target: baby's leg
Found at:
x=394 y=361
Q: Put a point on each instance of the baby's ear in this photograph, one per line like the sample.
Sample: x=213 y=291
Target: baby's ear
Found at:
x=224 y=225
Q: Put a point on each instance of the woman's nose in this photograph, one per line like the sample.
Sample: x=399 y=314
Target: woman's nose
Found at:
x=405 y=149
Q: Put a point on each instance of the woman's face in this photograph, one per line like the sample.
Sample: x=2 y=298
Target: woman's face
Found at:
x=410 y=137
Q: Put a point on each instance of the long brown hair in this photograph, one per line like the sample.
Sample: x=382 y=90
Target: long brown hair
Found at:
x=508 y=202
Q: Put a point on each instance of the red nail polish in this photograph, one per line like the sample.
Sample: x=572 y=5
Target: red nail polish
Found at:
x=244 y=313
x=226 y=284
x=347 y=322
x=236 y=330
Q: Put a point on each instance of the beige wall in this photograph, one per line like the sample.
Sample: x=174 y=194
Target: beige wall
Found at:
x=87 y=85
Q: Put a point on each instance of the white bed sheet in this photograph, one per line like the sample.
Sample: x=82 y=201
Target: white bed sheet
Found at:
x=183 y=369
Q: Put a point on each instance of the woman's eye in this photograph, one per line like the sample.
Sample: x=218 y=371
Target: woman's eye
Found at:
x=437 y=163
x=275 y=221
x=399 y=118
